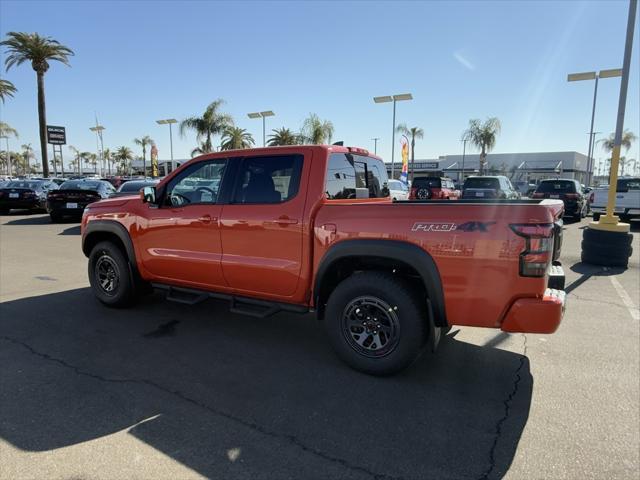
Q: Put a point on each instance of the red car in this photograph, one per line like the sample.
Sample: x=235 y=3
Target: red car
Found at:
x=433 y=188
x=312 y=229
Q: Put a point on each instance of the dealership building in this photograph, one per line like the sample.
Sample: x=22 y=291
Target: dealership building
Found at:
x=525 y=167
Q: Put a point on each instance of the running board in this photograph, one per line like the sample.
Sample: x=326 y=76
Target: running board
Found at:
x=240 y=305
x=185 y=296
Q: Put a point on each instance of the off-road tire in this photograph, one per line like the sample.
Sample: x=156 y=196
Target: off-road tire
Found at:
x=106 y=259
x=384 y=291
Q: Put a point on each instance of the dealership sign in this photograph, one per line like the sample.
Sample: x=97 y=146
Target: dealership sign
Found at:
x=56 y=135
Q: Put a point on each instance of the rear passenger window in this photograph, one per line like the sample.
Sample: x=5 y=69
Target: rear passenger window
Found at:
x=272 y=179
x=346 y=172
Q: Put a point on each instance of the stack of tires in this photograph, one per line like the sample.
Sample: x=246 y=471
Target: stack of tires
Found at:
x=609 y=249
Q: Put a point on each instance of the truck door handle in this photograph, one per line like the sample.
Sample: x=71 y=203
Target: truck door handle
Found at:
x=284 y=220
x=206 y=219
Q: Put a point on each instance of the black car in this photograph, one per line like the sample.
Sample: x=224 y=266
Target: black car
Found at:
x=133 y=187
x=25 y=195
x=73 y=195
x=485 y=187
x=576 y=203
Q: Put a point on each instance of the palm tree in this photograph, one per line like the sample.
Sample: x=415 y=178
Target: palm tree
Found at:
x=31 y=47
x=628 y=137
x=27 y=155
x=144 y=142
x=106 y=159
x=413 y=132
x=200 y=150
x=8 y=131
x=212 y=122
x=316 y=131
x=236 y=138
x=7 y=89
x=282 y=136
x=76 y=164
x=483 y=136
x=124 y=155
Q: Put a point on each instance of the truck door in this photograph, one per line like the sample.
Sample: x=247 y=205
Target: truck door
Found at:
x=262 y=226
x=179 y=240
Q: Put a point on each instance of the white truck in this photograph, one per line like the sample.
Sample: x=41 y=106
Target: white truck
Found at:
x=627 y=199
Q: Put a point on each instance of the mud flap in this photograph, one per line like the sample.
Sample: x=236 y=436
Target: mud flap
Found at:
x=435 y=332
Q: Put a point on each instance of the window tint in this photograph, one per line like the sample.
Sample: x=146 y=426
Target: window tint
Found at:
x=566 y=186
x=481 y=182
x=30 y=185
x=346 y=172
x=427 y=182
x=199 y=183
x=272 y=179
x=627 y=184
x=80 y=185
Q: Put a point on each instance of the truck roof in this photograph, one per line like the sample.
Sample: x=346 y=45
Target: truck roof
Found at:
x=266 y=150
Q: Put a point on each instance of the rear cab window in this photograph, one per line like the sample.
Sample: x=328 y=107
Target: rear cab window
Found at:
x=557 y=186
x=479 y=182
x=427 y=182
x=626 y=184
x=347 y=172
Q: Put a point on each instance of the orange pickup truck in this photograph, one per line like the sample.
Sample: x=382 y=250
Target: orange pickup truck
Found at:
x=312 y=228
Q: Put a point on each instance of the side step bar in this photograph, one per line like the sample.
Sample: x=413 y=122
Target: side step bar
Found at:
x=241 y=305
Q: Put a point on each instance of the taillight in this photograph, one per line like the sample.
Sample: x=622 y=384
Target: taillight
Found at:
x=572 y=195
x=413 y=193
x=535 y=258
x=29 y=194
x=592 y=197
x=538 y=195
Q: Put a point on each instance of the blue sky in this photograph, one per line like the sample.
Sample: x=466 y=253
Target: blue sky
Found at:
x=137 y=62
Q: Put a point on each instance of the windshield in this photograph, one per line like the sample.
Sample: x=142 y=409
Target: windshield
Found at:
x=480 y=182
x=557 y=186
x=80 y=185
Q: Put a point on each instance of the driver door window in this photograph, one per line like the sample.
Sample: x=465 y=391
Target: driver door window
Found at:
x=198 y=185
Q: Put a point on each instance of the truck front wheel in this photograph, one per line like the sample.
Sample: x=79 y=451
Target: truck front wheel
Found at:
x=109 y=275
x=375 y=323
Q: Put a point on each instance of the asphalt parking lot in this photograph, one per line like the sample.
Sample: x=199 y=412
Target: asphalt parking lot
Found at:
x=170 y=391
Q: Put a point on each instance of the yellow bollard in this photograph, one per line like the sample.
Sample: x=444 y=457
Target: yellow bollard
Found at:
x=610 y=222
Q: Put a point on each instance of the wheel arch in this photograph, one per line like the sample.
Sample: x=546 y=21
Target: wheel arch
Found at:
x=409 y=260
x=109 y=230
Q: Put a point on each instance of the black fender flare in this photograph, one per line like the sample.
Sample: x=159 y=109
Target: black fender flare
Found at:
x=396 y=250
x=114 y=228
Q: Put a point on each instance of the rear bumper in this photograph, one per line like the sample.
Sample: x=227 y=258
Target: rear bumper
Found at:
x=631 y=212
x=536 y=315
x=21 y=204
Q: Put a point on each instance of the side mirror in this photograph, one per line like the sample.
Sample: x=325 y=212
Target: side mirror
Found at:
x=148 y=195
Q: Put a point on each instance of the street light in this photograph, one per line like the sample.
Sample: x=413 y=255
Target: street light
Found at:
x=394 y=99
x=169 y=121
x=577 y=77
x=375 y=145
x=263 y=115
x=98 y=131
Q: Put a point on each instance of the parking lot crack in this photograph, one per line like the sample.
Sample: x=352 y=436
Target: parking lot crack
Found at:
x=507 y=410
x=292 y=439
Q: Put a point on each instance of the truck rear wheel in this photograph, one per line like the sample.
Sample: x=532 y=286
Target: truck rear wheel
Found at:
x=109 y=275
x=375 y=323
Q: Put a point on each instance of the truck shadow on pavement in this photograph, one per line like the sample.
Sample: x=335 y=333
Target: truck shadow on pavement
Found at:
x=235 y=397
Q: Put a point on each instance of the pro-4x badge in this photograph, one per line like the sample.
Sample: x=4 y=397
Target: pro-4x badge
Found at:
x=450 y=227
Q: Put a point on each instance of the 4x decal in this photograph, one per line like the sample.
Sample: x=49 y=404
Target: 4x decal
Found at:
x=450 y=227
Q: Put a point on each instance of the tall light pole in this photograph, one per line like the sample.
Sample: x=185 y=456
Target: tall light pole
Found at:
x=394 y=99
x=263 y=115
x=169 y=121
x=375 y=145
x=465 y=139
x=577 y=77
x=98 y=129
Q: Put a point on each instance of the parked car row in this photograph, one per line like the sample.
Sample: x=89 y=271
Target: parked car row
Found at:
x=68 y=199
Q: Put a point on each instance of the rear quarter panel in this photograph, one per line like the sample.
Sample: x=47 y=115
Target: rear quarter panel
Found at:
x=479 y=267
